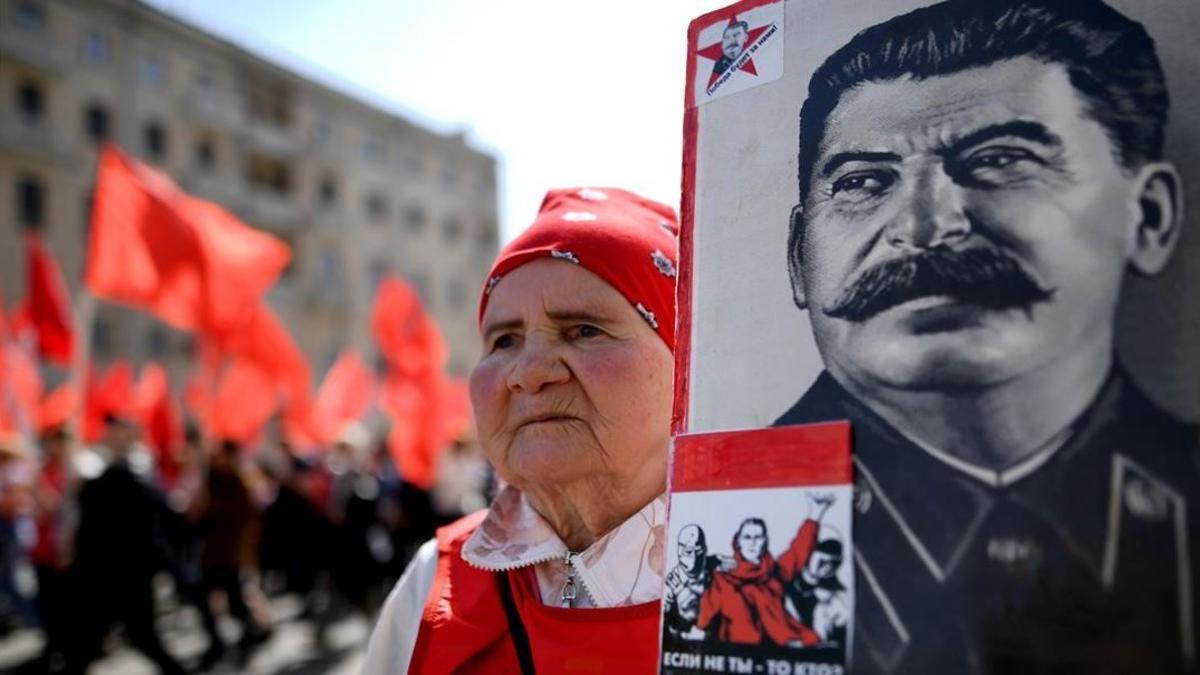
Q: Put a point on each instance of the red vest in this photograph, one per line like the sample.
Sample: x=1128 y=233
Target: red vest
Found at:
x=464 y=628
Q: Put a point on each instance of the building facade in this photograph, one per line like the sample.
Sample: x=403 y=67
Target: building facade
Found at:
x=356 y=191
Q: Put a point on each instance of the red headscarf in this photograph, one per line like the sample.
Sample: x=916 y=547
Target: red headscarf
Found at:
x=627 y=240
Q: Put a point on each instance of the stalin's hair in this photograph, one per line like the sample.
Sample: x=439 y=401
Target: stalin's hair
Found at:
x=736 y=24
x=1110 y=59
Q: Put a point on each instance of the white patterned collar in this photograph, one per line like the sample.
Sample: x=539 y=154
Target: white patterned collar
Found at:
x=623 y=567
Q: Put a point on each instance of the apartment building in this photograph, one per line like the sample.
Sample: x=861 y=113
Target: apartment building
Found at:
x=357 y=191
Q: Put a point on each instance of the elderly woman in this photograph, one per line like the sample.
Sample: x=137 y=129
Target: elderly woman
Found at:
x=572 y=401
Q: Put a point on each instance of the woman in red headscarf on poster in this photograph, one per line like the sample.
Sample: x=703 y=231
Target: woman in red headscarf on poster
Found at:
x=745 y=605
x=572 y=400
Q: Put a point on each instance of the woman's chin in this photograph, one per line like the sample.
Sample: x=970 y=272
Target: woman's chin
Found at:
x=548 y=462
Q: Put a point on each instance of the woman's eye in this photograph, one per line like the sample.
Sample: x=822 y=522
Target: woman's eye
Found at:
x=863 y=183
x=584 y=331
x=503 y=341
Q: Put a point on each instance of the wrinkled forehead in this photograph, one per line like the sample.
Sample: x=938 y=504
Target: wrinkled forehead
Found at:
x=909 y=115
x=548 y=286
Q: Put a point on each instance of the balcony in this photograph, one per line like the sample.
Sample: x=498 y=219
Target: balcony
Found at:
x=272 y=139
x=331 y=218
x=326 y=297
x=209 y=107
x=224 y=190
x=272 y=210
x=33 y=48
x=31 y=138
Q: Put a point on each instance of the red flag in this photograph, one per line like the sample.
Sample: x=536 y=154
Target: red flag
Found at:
x=263 y=340
x=57 y=407
x=161 y=423
x=408 y=337
x=187 y=261
x=344 y=397
x=20 y=388
x=244 y=403
x=406 y=403
x=413 y=394
x=110 y=394
x=47 y=308
x=201 y=389
x=457 y=419
x=416 y=438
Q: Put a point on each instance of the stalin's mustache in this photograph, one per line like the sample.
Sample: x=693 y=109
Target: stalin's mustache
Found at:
x=979 y=276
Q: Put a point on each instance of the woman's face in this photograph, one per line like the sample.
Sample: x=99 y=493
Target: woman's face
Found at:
x=573 y=384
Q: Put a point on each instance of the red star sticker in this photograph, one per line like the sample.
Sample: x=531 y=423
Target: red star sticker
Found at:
x=714 y=52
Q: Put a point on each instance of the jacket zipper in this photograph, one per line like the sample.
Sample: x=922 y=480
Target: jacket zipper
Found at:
x=569 y=590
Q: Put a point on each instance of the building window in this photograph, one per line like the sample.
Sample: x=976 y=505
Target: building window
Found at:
x=89 y=200
x=153 y=71
x=31 y=203
x=327 y=192
x=271 y=102
x=452 y=229
x=486 y=238
x=31 y=16
x=95 y=48
x=270 y=174
x=328 y=269
x=420 y=281
x=206 y=153
x=102 y=337
x=379 y=270
x=456 y=294
x=155 y=138
x=412 y=164
x=449 y=178
x=414 y=219
x=484 y=187
x=156 y=341
x=31 y=102
x=374 y=150
x=323 y=132
x=95 y=123
x=376 y=206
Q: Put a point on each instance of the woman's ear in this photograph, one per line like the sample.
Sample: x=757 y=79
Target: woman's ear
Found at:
x=796 y=257
x=1160 y=211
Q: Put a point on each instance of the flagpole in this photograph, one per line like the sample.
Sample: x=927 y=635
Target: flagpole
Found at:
x=85 y=311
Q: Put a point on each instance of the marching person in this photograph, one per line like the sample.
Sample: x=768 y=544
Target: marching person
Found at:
x=572 y=398
x=119 y=547
x=53 y=491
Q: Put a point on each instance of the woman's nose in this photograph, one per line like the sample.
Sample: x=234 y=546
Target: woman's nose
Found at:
x=538 y=365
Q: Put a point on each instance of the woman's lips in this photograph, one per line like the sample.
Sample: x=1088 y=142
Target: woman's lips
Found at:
x=546 y=420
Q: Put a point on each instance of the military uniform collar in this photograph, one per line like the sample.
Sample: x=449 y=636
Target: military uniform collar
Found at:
x=939 y=513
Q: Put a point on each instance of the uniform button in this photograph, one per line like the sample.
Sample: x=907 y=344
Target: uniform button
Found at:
x=862 y=499
x=1013 y=551
x=1146 y=500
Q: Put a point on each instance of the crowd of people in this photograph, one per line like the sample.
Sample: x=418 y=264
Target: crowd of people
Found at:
x=90 y=537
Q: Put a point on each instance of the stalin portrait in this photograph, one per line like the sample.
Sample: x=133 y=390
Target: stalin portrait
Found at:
x=977 y=182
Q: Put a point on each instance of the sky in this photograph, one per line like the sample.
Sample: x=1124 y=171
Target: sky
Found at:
x=561 y=92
